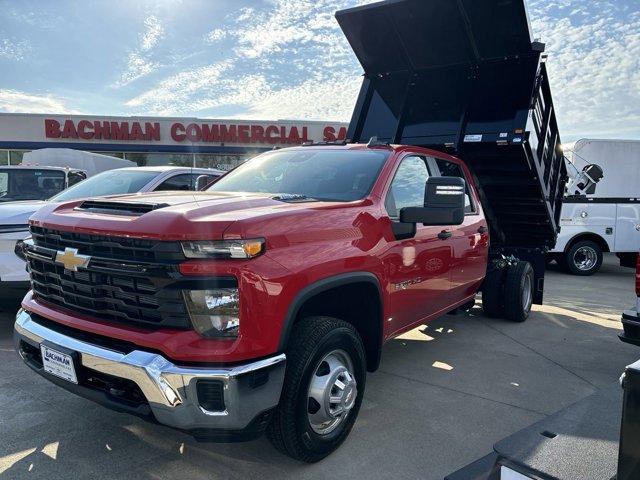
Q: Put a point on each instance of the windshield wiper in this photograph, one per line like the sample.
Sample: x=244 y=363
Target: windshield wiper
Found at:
x=293 y=197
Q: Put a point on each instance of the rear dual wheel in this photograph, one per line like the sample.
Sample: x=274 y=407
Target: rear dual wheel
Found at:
x=508 y=292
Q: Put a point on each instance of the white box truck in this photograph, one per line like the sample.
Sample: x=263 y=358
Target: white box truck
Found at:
x=600 y=214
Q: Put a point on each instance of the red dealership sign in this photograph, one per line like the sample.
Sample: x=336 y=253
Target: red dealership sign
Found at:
x=186 y=132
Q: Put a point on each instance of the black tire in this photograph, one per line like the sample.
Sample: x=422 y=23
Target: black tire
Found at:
x=517 y=302
x=492 y=294
x=575 y=254
x=290 y=430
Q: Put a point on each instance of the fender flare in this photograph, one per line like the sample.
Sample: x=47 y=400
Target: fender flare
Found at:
x=322 y=286
x=587 y=234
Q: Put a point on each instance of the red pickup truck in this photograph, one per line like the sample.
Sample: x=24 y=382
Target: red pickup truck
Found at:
x=261 y=303
x=185 y=307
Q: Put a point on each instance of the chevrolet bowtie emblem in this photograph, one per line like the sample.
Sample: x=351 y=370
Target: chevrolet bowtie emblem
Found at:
x=71 y=259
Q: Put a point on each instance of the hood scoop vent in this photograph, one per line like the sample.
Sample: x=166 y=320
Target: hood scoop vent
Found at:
x=119 y=208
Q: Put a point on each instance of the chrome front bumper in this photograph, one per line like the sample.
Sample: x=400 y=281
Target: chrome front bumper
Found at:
x=170 y=389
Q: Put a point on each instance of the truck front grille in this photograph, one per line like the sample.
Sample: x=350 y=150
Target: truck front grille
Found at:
x=110 y=288
x=113 y=248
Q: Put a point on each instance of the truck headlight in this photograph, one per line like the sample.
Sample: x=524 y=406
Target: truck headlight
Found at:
x=215 y=312
x=224 y=248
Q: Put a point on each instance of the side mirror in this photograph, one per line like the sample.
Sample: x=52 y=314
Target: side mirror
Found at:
x=202 y=181
x=444 y=203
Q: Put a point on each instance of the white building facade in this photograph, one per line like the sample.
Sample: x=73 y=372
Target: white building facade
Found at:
x=208 y=143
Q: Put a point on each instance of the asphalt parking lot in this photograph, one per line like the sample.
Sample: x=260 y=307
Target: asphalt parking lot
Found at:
x=444 y=394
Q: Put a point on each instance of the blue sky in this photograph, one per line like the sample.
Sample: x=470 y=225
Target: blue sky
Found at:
x=277 y=59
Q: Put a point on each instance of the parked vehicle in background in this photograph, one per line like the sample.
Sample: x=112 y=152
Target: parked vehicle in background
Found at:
x=46 y=172
x=88 y=162
x=600 y=214
x=36 y=183
x=14 y=216
x=186 y=308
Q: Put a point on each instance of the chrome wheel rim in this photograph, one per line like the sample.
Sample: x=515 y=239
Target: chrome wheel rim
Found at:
x=585 y=258
x=332 y=392
x=527 y=293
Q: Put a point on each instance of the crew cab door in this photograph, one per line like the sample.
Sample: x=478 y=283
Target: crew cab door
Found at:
x=470 y=241
x=417 y=260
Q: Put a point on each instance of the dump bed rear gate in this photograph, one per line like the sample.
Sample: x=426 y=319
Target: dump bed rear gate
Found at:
x=464 y=76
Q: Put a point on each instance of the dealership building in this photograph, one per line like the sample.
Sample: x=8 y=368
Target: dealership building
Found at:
x=195 y=142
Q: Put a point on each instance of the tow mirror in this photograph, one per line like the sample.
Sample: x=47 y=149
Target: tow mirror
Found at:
x=444 y=203
x=202 y=181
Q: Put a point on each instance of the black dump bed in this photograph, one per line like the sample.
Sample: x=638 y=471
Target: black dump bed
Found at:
x=464 y=76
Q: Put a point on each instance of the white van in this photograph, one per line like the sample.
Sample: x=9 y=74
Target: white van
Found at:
x=600 y=216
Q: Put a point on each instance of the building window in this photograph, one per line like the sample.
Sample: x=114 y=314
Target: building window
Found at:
x=111 y=154
x=15 y=157
x=220 y=161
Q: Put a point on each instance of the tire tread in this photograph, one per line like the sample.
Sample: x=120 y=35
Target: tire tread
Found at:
x=513 y=307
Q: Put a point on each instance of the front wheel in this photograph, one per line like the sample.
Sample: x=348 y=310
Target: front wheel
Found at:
x=584 y=258
x=323 y=389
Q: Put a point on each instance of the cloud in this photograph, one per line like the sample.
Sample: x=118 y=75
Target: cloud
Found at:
x=288 y=22
x=154 y=31
x=206 y=88
x=180 y=91
x=594 y=65
x=319 y=98
x=215 y=35
x=14 y=50
x=14 y=101
x=287 y=60
x=139 y=61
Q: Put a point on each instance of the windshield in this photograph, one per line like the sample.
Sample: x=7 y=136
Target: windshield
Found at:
x=113 y=182
x=30 y=184
x=329 y=175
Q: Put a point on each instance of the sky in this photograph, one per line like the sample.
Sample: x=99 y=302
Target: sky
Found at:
x=277 y=59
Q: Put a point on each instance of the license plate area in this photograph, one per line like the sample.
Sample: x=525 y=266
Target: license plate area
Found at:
x=59 y=361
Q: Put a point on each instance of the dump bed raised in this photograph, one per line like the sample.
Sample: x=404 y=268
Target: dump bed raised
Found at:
x=464 y=76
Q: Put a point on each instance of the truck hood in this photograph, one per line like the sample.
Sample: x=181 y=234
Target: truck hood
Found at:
x=164 y=215
x=18 y=213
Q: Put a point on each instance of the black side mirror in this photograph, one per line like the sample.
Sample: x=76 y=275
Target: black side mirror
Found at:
x=444 y=203
x=202 y=181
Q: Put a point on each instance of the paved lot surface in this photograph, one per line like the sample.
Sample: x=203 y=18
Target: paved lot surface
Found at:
x=418 y=421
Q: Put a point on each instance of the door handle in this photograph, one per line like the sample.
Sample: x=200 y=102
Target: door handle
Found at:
x=443 y=235
x=482 y=230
